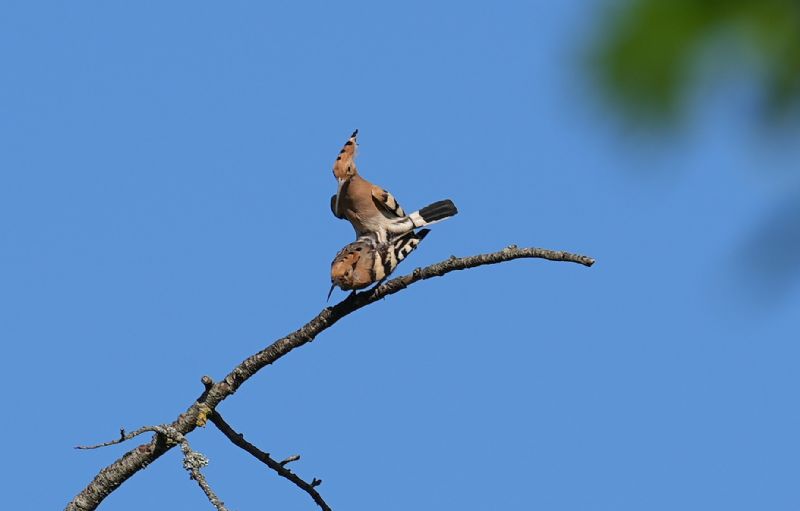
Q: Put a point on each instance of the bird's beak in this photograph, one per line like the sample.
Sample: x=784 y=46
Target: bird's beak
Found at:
x=330 y=292
x=342 y=182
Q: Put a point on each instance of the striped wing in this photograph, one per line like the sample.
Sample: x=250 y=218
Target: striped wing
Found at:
x=365 y=262
x=387 y=203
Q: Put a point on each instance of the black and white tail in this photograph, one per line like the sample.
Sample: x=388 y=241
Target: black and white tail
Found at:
x=428 y=215
x=433 y=213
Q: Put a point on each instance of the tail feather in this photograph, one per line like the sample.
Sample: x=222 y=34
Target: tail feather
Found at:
x=438 y=211
x=433 y=213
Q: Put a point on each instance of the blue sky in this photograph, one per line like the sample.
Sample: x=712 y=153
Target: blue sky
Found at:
x=164 y=186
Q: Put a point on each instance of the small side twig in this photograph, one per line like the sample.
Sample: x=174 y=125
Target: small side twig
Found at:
x=123 y=437
x=293 y=457
x=239 y=441
x=193 y=461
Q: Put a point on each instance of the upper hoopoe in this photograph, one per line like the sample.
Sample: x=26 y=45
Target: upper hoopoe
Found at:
x=371 y=209
x=366 y=261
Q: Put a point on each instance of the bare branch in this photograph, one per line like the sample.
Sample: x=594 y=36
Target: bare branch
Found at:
x=239 y=441
x=111 y=477
x=122 y=438
x=193 y=461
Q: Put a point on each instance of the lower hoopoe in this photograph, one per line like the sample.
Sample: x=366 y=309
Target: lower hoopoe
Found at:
x=367 y=261
x=371 y=209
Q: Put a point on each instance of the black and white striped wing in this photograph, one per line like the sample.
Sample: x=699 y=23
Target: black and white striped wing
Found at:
x=392 y=253
x=386 y=202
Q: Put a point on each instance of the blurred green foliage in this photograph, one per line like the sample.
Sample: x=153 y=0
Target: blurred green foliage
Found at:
x=651 y=52
x=647 y=57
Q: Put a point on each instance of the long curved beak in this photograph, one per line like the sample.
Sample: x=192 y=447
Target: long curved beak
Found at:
x=330 y=292
x=342 y=182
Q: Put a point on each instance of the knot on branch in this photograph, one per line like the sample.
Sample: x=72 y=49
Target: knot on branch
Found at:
x=203 y=410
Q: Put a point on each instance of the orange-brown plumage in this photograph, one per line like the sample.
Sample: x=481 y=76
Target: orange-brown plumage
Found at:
x=367 y=261
x=372 y=210
x=353 y=266
x=345 y=165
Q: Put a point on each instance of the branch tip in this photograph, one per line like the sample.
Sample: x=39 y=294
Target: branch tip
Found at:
x=293 y=457
x=207 y=382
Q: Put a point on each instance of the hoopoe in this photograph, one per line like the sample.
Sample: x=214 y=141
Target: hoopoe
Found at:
x=367 y=261
x=373 y=210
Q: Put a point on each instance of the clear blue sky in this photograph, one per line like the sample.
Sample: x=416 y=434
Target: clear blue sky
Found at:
x=164 y=185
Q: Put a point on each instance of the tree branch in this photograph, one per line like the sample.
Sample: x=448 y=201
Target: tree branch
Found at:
x=239 y=441
x=193 y=461
x=111 y=477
